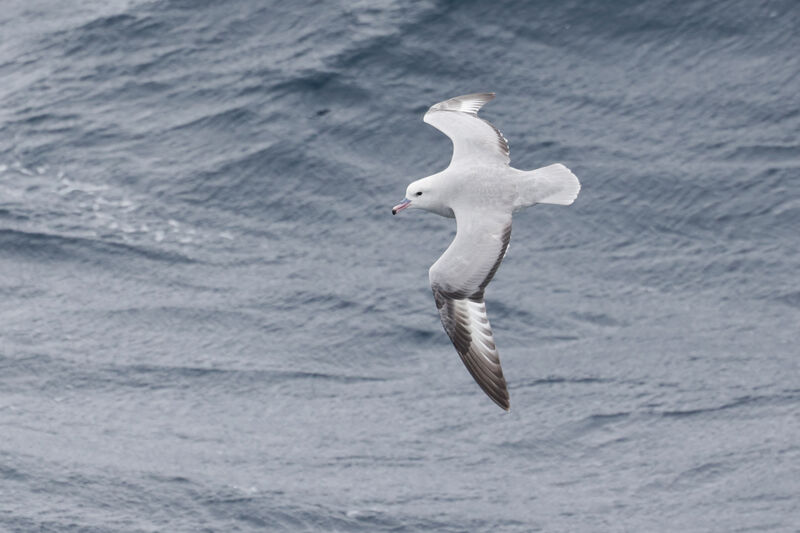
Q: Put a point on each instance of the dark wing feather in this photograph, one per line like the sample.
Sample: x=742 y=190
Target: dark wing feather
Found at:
x=466 y=324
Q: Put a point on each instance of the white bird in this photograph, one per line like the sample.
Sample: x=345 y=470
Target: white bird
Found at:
x=481 y=190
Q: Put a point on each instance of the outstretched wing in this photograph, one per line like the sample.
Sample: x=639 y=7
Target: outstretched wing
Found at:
x=458 y=280
x=473 y=138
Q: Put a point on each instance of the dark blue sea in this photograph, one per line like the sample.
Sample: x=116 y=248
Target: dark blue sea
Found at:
x=210 y=321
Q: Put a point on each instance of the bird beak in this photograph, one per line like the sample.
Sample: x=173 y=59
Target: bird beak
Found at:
x=399 y=207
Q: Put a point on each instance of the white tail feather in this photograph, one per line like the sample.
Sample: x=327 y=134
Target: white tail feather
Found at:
x=553 y=184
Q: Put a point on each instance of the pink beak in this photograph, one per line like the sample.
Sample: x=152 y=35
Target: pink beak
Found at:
x=399 y=207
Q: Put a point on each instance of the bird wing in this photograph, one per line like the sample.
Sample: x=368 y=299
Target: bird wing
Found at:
x=458 y=279
x=473 y=138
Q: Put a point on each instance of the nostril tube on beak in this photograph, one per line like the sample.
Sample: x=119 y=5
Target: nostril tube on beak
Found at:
x=399 y=207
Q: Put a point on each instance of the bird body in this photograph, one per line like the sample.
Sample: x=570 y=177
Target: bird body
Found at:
x=481 y=191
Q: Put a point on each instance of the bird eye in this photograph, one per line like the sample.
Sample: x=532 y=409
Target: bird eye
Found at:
x=419 y=193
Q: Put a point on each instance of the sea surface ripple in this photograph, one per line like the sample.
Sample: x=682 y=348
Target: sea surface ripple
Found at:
x=209 y=320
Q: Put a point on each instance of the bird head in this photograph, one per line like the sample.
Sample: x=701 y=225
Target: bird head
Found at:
x=421 y=194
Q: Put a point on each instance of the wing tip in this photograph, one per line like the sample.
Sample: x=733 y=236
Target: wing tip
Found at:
x=502 y=400
x=467 y=103
x=487 y=96
x=505 y=406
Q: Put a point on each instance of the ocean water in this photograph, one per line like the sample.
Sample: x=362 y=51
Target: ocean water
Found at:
x=210 y=321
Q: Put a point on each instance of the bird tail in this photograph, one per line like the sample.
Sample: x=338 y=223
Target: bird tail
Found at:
x=553 y=184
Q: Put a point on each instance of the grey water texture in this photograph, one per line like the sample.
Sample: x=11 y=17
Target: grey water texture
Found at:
x=210 y=321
